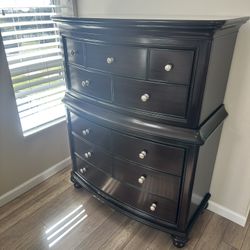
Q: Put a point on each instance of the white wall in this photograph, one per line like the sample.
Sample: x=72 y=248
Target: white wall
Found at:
x=231 y=180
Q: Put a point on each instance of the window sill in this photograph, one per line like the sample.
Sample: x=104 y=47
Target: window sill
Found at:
x=37 y=130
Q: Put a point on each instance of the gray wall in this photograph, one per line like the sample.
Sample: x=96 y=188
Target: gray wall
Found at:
x=22 y=158
x=231 y=179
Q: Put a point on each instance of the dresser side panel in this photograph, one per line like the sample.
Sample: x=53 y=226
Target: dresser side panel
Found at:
x=217 y=74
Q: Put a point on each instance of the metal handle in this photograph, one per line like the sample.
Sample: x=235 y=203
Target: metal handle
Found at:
x=73 y=52
x=143 y=154
x=153 y=207
x=145 y=97
x=168 y=67
x=83 y=170
x=110 y=60
x=86 y=131
x=85 y=83
x=142 y=179
x=87 y=155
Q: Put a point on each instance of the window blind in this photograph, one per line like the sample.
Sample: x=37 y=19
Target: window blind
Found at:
x=32 y=46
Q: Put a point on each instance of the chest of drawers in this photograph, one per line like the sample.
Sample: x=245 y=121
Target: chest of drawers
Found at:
x=145 y=112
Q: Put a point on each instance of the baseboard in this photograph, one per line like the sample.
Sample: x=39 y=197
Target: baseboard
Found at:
x=227 y=213
x=26 y=186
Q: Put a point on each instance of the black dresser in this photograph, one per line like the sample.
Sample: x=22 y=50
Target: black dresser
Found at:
x=145 y=112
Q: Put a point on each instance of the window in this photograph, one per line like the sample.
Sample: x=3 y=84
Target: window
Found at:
x=32 y=46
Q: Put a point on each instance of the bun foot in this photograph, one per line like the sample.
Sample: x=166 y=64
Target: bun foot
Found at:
x=178 y=241
x=76 y=185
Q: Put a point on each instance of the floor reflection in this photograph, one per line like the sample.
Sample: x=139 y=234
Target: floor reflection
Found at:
x=62 y=227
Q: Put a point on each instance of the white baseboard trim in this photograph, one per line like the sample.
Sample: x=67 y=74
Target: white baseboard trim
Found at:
x=227 y=213
x=26 y=186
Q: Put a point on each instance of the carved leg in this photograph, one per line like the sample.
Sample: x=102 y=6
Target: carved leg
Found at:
x=179 y=241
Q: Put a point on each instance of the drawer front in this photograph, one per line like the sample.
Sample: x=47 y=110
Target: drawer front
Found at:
x=154 y=97
x=173 y=66
x=92 y=154
x=129 y=61
x=90 y=84
x=75 y=51
x=156 y=156
x=90 y=131
x=151 y=181
x=163 y=209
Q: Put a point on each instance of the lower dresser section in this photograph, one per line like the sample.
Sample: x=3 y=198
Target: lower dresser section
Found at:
x=154 y=205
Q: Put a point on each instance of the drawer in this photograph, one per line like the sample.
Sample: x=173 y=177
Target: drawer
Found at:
x=75 y=51
x=91 y=84
x=154 y=97
x=148 y=180
x=154 y=155
x=172 y=66
x=92 y=154
x=90 y=131
x=163 y=209
x=129 y=61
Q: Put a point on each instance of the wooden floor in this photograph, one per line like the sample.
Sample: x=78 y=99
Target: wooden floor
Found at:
x=55 y=215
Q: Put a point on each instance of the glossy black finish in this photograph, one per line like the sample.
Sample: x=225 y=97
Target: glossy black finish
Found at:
x=129 y=61
x=165 y=158
x=163 y=98
x=180 y=60
x=178 y=127
x=91 y=84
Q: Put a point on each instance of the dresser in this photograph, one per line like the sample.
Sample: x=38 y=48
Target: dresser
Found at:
x=145 y=112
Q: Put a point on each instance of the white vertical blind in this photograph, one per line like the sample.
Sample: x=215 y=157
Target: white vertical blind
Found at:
x=31 y=41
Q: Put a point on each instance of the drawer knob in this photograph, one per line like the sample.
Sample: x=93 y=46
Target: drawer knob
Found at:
x=83 y=170
x=142 y=179
x=168 y=67
x=85 y=83
x=153 y=207
x=73 y=52
x=86 y=131
x=143 y=154
x=110 y=60
x=145 y=97
x=87 y=155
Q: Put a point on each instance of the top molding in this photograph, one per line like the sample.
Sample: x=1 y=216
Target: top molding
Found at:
x=206 y=27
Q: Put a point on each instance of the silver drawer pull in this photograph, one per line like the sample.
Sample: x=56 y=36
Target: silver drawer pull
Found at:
x=86 y=131
x=88 y=155
x=73 y=52
x=168 y=67
x=143 y=154
x=145 y=97
x=85 y=83
x=153 y=207
x=83 y=170
x=142 y=179
x=110 y=60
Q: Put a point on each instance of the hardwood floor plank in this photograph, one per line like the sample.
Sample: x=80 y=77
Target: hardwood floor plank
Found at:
x=162 y=241
x=213 y=234
x=99 y=236
x=224 y=246
x=122 y=236
x=246 y=242
x=142 y=239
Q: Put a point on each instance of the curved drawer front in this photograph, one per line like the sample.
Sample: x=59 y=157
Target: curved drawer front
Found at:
x=157 y=156
x=75 y=51
x=154 y=97
x=92 y=154
x=129 y=61
x=90 y=131
x=151 y=181
x=91 y=84
x=151 y=204
x=172 y=66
